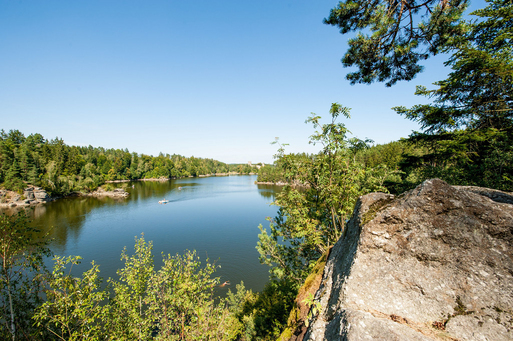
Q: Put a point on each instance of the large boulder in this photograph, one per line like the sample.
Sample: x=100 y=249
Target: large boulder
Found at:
x=435 y=263
x=40 y=195
x=31 y=196
x=115 y=193
x=29 y=193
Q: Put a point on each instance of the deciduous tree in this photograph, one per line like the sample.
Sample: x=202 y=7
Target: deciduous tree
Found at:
x=22 y=270
x=311 y=218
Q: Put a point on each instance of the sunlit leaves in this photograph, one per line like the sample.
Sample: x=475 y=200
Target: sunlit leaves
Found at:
x=176 y=302
x=129 y=312
x=312 y=215
x=75 y=306
x=181 y=300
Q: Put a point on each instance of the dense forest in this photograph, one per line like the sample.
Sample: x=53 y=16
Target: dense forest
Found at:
x=466 y=138
x=393 y=156
x=61 y=169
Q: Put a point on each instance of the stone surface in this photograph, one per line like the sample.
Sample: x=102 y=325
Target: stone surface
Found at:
x=435 y=263
x=41 y=195
x=115 y=193
x=31 y=196
x=37 y=195
x=29 y=193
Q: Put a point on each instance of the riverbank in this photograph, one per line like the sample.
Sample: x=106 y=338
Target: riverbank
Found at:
x=175 y=178
x=32 y=195
x=281 y=183
x=100 y=192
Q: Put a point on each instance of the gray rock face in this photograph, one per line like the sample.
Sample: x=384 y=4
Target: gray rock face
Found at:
x=31 y=196
x=29 y=193
x=435 y=263
x=40 y=195
x=115 y=193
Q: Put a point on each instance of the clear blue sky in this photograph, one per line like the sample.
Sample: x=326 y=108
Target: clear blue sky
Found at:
x=214 y=79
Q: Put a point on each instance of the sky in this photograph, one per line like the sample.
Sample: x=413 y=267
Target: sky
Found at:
x=212 y=79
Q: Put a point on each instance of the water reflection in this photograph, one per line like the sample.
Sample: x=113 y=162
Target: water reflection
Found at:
x=147 y=189
x=269 y=191
x=216 y=216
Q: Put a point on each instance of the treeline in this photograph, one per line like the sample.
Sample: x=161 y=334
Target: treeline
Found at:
x=61 y=169
x=485 y=161
x=391 y=156
x=466 y=139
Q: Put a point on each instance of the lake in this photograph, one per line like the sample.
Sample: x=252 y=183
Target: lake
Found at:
x=216 y=216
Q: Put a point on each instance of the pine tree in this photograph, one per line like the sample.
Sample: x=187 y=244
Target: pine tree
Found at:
x=402 y=33
x=469 y=127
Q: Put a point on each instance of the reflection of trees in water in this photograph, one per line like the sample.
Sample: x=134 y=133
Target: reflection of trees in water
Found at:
x=159 y=189
x=269 y=191
x=63 y=219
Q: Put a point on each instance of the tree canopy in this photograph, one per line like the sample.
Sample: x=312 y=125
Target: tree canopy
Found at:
x=478 y=93
x=394 y=36
x=61 y=169
x=468 y=128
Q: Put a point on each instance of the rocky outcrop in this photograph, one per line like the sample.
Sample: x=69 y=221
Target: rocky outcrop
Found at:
x=31 y=196
x=36 y=195
x=435 y=263
x=115 y=193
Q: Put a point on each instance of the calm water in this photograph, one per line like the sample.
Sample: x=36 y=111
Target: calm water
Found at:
x=217 y=216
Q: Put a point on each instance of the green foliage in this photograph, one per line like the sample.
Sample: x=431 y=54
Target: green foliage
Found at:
x=402 y=33
x=240 y=304
x=129 y=318
x=394 y=159
x=262 y=316
x=270 y=173
x=468 y=128
x=61 y=169
x=311 y=219
x=477 y=93
x=315 y=307
x=466 y=131
x=181 y=301
x=22 y=271
x=177 y=302
x=75 y=307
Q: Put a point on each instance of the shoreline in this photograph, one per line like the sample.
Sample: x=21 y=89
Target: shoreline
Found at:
x=176 y=178
x=281 y=183
x=33 y=195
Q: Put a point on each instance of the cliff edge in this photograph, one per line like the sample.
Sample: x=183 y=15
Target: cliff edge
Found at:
x=435 y=263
